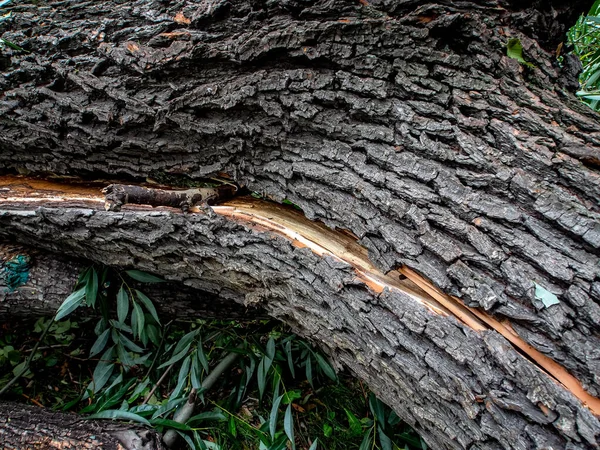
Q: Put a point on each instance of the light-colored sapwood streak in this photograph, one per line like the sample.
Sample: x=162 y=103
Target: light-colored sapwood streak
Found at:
x=264 y=216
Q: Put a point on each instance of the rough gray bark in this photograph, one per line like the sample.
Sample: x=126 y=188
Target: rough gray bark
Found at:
x=28 y=427
x=457 y=387
x=403 y=122
x=52 y=278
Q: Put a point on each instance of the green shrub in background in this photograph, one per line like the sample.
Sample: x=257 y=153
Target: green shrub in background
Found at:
x=584 y=36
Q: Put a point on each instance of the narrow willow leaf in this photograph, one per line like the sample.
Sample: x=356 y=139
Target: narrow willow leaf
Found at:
x=176 y=357
x=366 y=442
x=288 y=351
x=103 y=370
x=130 y=344
x=148 y=305
x=273 y=416
x=124 y=357
x=139 y=318
x=144 y=277
x=288 y=426
x=185 y=340
x=201 y=356
x=188 y=440
x=314 y=444
x=195 y=373
x=70 y=304
x=325 y=367
x=91 y=288
x=153 y=334
x=100 y=343
x=116 y=414
x=122 y=304
x=384 y=440
x=378 y=409
x=170 y=424
x=308 y=371
x=271 y=348
x=206 y=416
x=232 y=427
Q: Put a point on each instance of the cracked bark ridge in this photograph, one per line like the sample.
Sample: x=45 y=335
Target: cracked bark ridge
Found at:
x=458 y=388
x=52 y=278
x=23 y=426
x=404 y=123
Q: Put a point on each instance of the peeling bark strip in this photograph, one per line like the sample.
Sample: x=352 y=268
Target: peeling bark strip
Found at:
x=285 y=294
x=118 y=195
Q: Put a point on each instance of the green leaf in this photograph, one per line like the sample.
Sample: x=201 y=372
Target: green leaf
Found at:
x=288 y=351
x=292 y=395
x=366 y=442
x=122 y=304
x=232 y=427
x=262 y=374
x=70 y=304
x=170 y=424
x=91 y=288
x=148 y=304
x=314 y=444
x=384 y=440
x=188 y=440
x=378 y=409
x=325 y=367
x=514 y=50
x=547 y=297
x=130 y=344
x=273 y=416
x=185 y=340
x=288 y=426
x=202 y=357
x=182 y=377
x=100 y=343
x=271 y=348
x=195 y=376
x=103 y=370
x=354 y=424
x=327 y=430
x=308 y=371
x=144 y=277
x=137 y=319
x=176 y=357
x=116 y=414
x=206 y=416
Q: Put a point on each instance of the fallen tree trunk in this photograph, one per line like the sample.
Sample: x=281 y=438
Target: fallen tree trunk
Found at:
x=407 y=126
x=23 y=427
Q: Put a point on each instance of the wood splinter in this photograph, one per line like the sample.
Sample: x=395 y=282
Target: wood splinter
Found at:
x=117 y=195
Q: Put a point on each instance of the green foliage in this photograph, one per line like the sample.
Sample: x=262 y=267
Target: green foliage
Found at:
x=514 y=50
x=283 y=394
x=584 y=36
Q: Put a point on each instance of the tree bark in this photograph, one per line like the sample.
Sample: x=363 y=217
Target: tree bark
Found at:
x=28 y=427
x=402 y=122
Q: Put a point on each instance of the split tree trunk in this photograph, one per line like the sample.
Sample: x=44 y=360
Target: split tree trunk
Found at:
x=402 y=122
